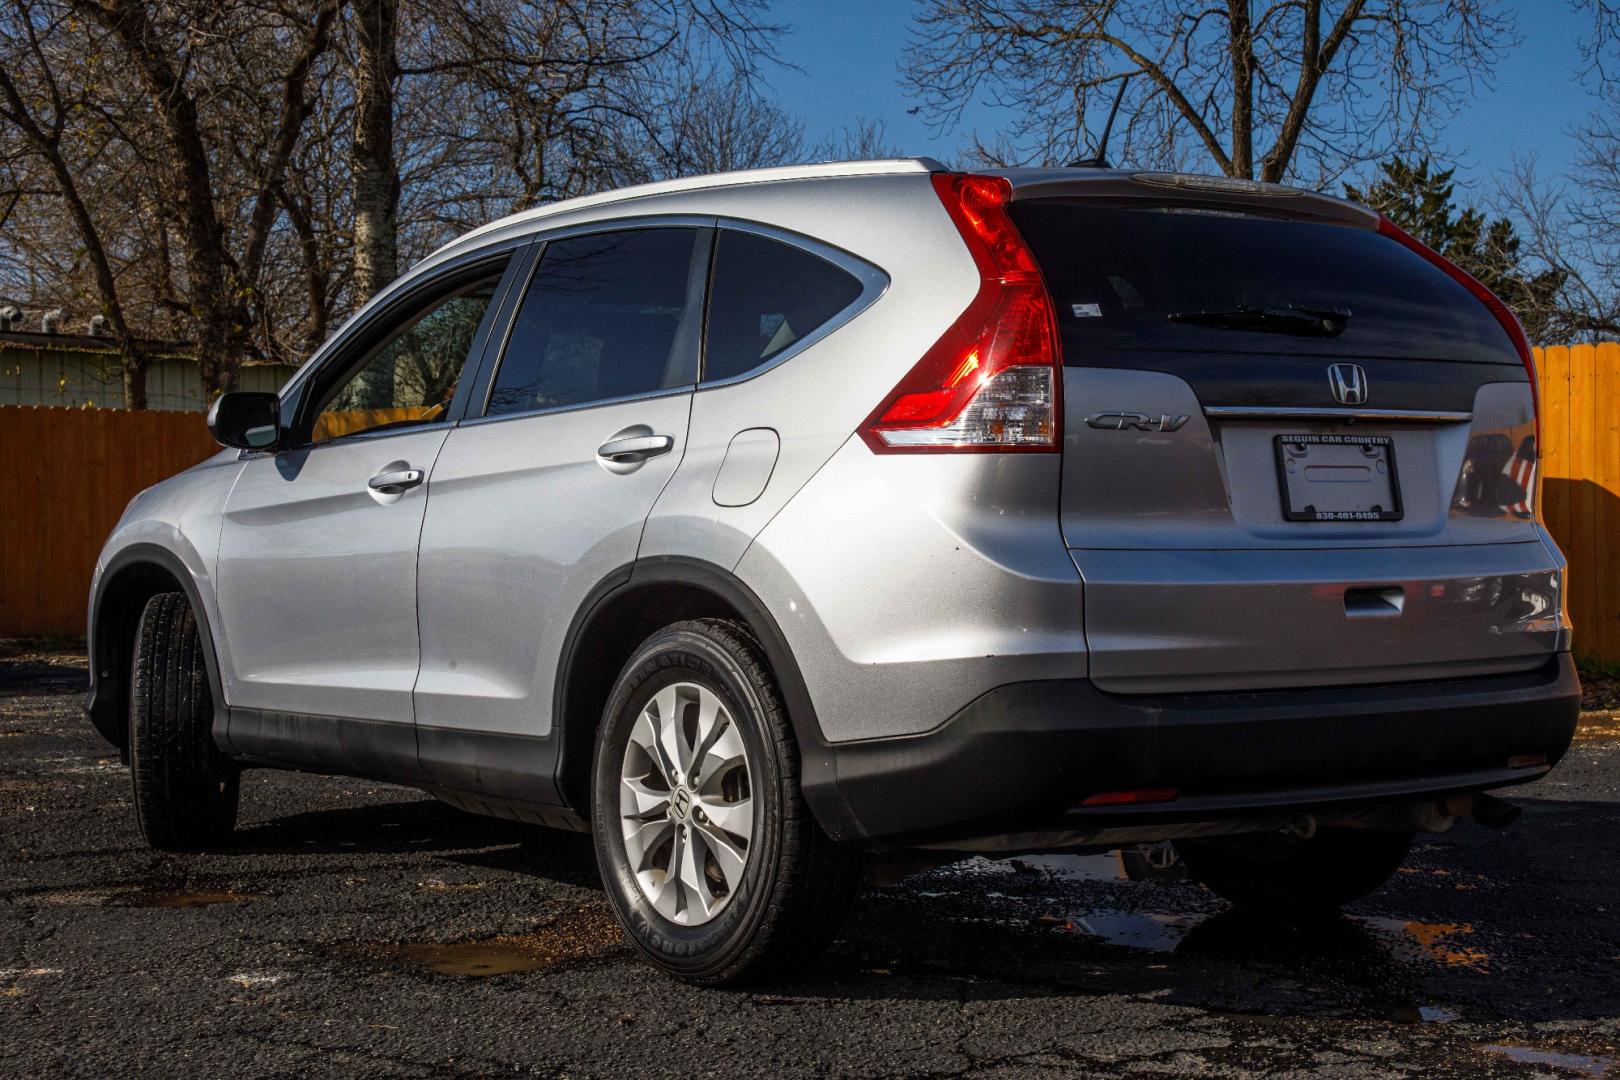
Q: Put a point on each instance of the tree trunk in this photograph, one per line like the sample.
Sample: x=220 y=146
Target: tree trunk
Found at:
x=1242 y=47
x=375 y=170
x=134 y=361
x=216 y=352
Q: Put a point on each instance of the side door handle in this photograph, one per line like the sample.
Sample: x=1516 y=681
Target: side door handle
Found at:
x=635 y=448
x=395 y=481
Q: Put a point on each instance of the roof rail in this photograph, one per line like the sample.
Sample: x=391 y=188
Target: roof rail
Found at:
x=880 y=167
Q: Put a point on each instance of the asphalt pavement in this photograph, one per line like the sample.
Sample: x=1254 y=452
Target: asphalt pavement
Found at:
x=360 y=929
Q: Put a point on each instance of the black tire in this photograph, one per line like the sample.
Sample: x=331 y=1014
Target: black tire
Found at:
x=185 y=789
x=797 y=884
x=1281 y=873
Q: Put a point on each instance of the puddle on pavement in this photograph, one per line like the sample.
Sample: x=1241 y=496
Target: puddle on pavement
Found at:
x=181 y=898
x=18 y=976
x=1106 y=867
x=1440 y=942
x=435 y=885
x=1598 y=1066
x=582 y=935
x=1155 y=932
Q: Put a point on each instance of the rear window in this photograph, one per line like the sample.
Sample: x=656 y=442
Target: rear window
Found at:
x=1119 y=275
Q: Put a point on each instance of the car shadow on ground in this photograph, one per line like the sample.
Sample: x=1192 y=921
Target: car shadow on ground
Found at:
x=1429 y=948
x=431 y=828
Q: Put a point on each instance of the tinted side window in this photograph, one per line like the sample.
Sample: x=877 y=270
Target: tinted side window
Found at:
x=605 y=316
x=409 y=377
x=765 y=296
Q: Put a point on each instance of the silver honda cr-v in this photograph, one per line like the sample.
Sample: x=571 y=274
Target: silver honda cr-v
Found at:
x=757 y=523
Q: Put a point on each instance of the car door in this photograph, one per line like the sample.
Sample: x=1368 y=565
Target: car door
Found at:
x=534 y=502
x=316 y=574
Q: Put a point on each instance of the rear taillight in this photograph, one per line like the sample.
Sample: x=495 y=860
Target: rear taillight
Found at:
x=1509 y=321
x=991 y=382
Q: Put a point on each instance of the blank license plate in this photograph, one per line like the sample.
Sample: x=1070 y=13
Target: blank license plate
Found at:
x=1338 y=478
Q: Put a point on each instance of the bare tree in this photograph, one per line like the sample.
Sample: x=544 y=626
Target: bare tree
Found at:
x=1288 y=89
x=1601 y=40
x=243 y=175
x=501 y=105
x=1571 y=224
x=221 y=278
x=376 y=171
x=1572 y=227
x=42 y=100
x=864 y=139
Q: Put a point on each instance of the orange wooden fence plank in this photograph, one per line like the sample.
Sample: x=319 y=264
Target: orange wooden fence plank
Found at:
x=1583 y=545
x=1555 y=439
x=1605 y=486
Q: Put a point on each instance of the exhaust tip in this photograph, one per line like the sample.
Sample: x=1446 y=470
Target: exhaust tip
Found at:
x=1492 y=812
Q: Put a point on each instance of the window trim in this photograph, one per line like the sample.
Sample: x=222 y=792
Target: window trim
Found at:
x=363 y=333
x=703 y=252
x=873 y=280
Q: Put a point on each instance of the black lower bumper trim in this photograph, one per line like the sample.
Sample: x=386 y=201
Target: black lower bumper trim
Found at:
x=1025 y=756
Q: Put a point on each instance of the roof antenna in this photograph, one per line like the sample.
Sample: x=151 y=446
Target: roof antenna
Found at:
x=1099 y=160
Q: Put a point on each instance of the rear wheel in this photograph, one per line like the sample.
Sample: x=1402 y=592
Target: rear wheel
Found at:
x=710 y=856
x=185 y=789
x=1288 y=874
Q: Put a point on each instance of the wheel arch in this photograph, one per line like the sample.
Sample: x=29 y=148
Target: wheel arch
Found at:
x=621 y=612
x=132 y=577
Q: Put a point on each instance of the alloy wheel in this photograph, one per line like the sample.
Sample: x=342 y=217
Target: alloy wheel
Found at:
x=685 y=803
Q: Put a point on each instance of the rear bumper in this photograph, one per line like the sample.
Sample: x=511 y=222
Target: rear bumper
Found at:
x=1021 y=759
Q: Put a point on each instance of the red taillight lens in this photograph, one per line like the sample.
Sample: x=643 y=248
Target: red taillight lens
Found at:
x=991 y=382
x=1509 y=321
x=1133 y=797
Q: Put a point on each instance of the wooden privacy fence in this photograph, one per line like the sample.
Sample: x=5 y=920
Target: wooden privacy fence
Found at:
x=66 y=474
x=1580 y=489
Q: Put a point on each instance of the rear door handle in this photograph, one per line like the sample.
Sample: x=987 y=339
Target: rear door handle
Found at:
x=394 y=482
x=636 y=448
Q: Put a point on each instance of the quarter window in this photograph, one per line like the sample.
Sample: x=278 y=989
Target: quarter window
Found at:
x=606 y=316
x=765 y=296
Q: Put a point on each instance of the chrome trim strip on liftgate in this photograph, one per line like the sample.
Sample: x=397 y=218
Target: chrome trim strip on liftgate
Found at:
x=1291 y=412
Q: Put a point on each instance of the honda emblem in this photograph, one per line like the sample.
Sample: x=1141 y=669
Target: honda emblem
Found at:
x=1349 y=383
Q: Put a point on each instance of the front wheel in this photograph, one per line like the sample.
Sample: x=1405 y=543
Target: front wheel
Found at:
x=1292 y=875
x=185 y=789
x=710 y=856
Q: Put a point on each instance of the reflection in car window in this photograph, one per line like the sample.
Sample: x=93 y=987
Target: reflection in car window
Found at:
x=412 y=375
x=603 y=318
x=767 y=295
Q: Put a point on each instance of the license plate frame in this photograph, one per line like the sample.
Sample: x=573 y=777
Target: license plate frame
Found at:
x=1294 y=489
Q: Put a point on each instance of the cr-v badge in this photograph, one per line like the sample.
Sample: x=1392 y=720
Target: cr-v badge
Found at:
x=1134 y=421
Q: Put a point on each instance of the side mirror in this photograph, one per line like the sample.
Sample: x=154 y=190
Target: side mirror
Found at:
x=246 y=420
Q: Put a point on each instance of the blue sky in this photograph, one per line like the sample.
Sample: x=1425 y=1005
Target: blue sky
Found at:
x=848 y=51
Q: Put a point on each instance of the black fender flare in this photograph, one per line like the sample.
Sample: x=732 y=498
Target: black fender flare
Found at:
x=817 y=760
x=106 y=703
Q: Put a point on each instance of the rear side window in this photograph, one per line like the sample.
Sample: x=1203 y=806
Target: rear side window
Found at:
x=606 y=316
x=766 y=296
x=1144 y=279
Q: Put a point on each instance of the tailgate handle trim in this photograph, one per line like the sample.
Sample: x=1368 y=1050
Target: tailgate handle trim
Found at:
x=1291 y=412
x=1384 y=602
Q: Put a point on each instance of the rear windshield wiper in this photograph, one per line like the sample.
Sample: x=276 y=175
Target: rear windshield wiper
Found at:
x=1298 y=319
